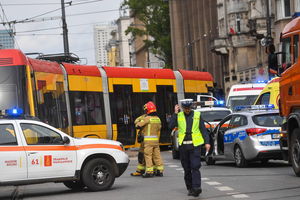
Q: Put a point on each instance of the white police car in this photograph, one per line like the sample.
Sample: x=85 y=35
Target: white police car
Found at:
x=211 y=116
x=34 y=152
x=250 y=135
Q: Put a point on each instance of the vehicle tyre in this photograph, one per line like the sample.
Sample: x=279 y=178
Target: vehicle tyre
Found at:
x=74 y=185
x=210 y=160
x=295 y=151
x=175 y=154
x=239 y=158
x=98 y=174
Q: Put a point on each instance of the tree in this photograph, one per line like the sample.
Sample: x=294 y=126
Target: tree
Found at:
x=155 y=18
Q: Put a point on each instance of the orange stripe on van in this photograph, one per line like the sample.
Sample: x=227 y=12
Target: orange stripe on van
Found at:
x=60 y=148
x=244 y=89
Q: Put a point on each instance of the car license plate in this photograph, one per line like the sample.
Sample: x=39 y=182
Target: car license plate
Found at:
x=276 y=136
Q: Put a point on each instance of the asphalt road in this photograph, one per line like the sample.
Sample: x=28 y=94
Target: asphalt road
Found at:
x=222 y=181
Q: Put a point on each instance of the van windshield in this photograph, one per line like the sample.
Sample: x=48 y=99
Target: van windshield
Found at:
x=234 y=101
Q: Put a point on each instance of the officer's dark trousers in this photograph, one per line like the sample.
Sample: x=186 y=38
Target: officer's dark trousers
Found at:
x=191 y=162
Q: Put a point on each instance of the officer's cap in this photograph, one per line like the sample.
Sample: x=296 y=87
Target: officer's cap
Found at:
x=186 y=103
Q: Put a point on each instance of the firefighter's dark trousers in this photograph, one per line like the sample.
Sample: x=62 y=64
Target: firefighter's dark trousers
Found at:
x=191 y=162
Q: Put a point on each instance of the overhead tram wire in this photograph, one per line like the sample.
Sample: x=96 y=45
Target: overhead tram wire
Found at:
x=12 y=28
x=30 y=19
x=40 y=4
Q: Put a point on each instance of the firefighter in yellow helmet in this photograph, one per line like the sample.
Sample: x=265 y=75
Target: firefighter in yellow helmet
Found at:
x=140 y=170
x=151 y=125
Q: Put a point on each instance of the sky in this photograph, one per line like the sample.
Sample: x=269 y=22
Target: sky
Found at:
x=81 y=18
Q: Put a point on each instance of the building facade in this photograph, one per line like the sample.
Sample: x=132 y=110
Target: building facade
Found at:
x=194 y=26
x=244 y=28
x=7 y=40
x=102 y=35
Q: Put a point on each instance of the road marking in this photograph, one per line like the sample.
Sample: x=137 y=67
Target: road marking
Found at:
x=173 y=166
x=224 y=188
x=213 y=183
x=240 y=196
x=205 y=179
x=179 y=169
x=231 y=193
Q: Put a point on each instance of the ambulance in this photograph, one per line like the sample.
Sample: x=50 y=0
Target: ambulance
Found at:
x=270 y=94
x=34 y=152
x=243 y=94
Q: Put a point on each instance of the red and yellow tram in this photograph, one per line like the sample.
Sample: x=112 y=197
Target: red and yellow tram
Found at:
x=91 y=101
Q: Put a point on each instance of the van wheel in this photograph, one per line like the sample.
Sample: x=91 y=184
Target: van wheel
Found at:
x=74 y=185
x=295 y=151
x=210 y=160
x=239 y=158
x=98 y=174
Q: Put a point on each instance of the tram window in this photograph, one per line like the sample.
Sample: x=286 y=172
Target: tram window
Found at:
x=87 y=108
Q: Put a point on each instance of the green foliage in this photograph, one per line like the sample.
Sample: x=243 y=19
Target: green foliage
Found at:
x=155 y=18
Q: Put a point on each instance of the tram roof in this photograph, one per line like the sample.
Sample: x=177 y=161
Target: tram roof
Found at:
x=292 y=26
x=196 y=75
x=10 y=57
x=133 y=72
x=45 y=66
x=83 y=70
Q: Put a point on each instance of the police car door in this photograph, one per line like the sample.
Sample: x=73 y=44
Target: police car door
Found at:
x=47 y=155
x=12 y=154
x=235 y=133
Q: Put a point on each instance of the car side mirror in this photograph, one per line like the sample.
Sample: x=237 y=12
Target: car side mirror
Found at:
x=66 y=140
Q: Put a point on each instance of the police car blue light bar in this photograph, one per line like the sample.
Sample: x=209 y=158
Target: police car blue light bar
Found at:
x=14 y=112
x=255 y=107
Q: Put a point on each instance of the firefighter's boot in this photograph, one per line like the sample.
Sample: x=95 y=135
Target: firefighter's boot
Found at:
x=148 y=175
x=159 y=173
x=137 y=173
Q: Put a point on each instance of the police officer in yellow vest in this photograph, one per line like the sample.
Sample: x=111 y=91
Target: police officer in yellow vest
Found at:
x=151 y=125
x=191 y=135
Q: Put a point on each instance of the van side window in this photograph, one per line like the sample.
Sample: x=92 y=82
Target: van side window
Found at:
x=264 y=99
x=295 y=48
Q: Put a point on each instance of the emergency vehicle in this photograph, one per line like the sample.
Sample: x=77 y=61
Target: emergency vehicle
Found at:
x=289 y=92
x=270 y=94
x=34 y=152
x=252 y=134
x=243 y=94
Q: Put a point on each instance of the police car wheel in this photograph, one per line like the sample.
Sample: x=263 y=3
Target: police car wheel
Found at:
x=74 y=185
x=295 y=151
x=239 y=158
x=98 y=174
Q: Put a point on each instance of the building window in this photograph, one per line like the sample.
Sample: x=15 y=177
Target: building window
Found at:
x=283 y=9
x=297 y=6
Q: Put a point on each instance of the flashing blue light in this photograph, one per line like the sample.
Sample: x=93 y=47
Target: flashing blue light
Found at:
x=255 y=107
x=14 y=112
x=219 y=103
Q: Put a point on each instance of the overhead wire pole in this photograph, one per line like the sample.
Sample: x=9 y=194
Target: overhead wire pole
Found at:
x=65 y=29
x=269 y=34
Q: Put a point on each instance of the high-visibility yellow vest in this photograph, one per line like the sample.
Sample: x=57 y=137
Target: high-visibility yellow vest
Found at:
x=197 y=137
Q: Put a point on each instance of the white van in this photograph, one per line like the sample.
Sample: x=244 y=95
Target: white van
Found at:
x=243 y=94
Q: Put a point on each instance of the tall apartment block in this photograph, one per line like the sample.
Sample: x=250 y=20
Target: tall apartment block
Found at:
x=102 y=35
x=6 y=39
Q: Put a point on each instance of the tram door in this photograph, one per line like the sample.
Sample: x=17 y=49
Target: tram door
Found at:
x=121 y=102
x=165 y=100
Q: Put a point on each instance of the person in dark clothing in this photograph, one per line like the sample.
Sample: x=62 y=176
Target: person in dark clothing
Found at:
x=191 y=135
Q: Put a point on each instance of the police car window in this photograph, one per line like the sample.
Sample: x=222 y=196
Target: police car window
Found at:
x=7 y=135
x=268 y=120
x=237 y=121
x=39 y=135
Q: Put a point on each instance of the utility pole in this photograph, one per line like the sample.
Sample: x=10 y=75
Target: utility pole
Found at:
x=65 y=29
x=269 y=34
